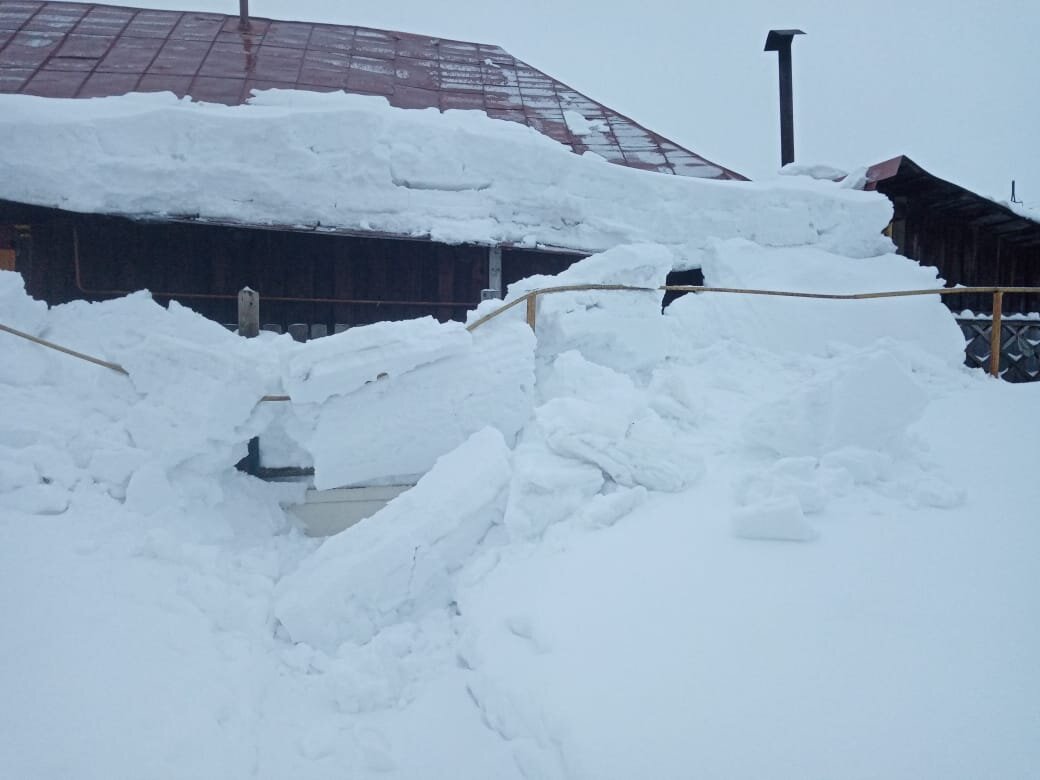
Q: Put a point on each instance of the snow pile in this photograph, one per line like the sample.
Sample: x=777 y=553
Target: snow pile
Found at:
x=817 y=326
x=379 y=404
x=639 y=541
x=814 y=171
x=154 y=439
x=401 y=560
x=354 y=162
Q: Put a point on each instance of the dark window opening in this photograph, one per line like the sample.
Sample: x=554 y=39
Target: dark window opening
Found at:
x=693 y=277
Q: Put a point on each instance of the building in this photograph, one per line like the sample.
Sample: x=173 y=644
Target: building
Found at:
x=974 y=242
x=327 y=278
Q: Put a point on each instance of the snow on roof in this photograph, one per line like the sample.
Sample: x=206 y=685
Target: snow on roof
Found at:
x=351 y=162
x=67 y=50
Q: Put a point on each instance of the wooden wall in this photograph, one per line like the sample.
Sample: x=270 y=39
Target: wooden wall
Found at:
x=969 y=255
x=204 y=266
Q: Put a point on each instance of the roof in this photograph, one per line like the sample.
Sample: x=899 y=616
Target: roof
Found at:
x=81 y=50
x=901 y=177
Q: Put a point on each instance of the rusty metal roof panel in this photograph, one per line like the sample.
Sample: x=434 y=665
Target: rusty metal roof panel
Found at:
x=63 y=50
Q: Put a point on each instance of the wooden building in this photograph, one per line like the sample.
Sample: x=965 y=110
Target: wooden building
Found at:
x=972 y=240
x=324 y=277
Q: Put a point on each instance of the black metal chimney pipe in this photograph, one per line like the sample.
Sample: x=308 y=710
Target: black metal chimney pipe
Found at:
x=780 y=42
x=243 y=15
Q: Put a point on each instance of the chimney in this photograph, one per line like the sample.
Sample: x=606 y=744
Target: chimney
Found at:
x=243 y=15
x=780 y=42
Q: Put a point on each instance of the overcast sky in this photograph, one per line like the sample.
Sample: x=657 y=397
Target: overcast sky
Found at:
x=953 y=84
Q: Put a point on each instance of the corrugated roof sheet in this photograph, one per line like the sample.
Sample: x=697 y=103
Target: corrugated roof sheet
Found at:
x=80 y=50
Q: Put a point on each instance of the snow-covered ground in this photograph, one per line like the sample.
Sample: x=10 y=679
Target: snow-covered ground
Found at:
x=746 y=538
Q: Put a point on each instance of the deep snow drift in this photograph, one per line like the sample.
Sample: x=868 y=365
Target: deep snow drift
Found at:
x=747 y=537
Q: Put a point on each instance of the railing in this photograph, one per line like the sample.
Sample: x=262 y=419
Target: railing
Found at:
x=249 y=326
x=531 y=299
x=249 y=311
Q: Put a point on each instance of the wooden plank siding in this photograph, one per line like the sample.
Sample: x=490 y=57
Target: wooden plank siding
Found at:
x=972 y=240
x=969 y=254
x=187 y=261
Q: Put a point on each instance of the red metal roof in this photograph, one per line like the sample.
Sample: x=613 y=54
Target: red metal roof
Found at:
x=81 y=50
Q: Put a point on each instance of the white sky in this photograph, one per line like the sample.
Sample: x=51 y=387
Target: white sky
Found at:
x=954 y=84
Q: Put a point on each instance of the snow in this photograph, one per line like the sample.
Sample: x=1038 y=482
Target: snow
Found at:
x=580 y=126
x=1021 y=209
x=401 y=561
x=780 y=519
x=438 y=384
x=456 y=176
x=814 y=171
x=745 y=537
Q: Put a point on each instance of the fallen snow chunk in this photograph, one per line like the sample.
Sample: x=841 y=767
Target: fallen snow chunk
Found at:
x=813 y=484
x=38 y=499
x=546 y=489
x=866 y=403
x=864 y=466
x=426 y=398
x=400 y=561
x=340 y=364
x=604 y=510
x=149 y=490
x=932 y=491
x=812 y=326
x=640 y=450
x=778 y=519
x=619 y=329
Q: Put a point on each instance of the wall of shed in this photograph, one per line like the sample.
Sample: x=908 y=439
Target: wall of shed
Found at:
x=968 y=255
x=204 y=266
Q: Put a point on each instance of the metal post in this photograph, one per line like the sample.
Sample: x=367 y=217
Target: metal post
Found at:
x=494 y=288
x=994 y=335
x=532 y=310
x=243 y=15
x=249 y=327
x=248 y=313
x=780 y=42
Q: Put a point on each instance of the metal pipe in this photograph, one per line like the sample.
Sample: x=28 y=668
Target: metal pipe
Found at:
x=780 y=42
x=243 y=15
x=994 y=334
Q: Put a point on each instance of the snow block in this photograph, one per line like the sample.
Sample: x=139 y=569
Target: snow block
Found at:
x=866 y=402
x=803 y=326
x=400 y=561
x=546 y=489
x=639 y=449
x=619 y=329
x=380 y=418
x=778 y=519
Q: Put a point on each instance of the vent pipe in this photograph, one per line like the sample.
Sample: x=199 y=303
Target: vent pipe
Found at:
x=243 y=15
x=780 y=42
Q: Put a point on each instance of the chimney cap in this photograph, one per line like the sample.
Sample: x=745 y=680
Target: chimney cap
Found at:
x=780 y=39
